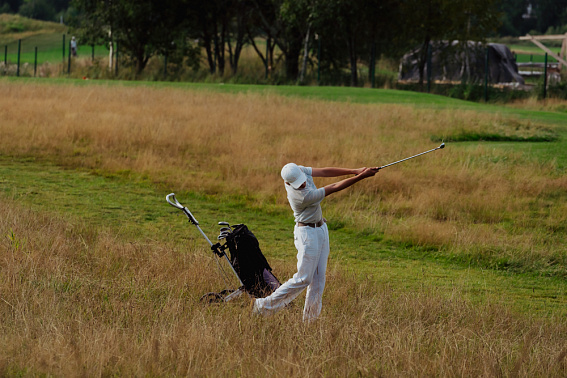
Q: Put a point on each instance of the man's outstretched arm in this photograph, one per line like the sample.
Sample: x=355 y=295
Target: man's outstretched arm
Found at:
x=335 y=171
x=343 y=184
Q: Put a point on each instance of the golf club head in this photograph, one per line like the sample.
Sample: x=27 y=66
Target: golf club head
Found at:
x=225 y=229
x=223 y=224
x=442 y=145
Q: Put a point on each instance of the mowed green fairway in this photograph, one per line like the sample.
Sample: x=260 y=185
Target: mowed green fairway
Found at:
x=125 y=294
x=137 y=210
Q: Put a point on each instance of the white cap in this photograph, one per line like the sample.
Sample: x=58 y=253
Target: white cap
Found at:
x=293 y=175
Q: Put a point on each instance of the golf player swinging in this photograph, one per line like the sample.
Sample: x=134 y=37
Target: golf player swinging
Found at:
x=311 y=236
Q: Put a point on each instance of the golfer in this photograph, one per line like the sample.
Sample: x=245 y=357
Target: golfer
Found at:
x=310 y=234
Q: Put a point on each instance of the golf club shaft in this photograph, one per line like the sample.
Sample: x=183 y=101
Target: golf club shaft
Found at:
x=173 y=202
x=411 y=157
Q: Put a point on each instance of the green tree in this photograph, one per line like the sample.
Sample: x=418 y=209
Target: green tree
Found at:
x=287 y=22
x=514 y=18
x=141 y=28
x=550 y=13
x=37 y=9
x=10 y=6
x=356 y=31
x=221 y=26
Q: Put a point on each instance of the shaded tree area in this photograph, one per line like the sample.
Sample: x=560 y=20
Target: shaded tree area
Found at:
x=46 y=10
x=141 y=29
x=221 y=27
x=519 y=17
x=336 y=37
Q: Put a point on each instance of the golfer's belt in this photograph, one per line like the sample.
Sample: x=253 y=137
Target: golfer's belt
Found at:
x=318 y=224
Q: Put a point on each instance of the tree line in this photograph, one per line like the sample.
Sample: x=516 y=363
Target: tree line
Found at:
x=332 y=35
x=337 y=34
x=46 y=10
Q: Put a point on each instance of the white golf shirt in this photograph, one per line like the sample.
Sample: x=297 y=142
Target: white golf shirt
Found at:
x=306 y=202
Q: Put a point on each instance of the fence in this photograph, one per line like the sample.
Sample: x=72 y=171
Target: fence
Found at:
x=16 y=60
x=67 y=56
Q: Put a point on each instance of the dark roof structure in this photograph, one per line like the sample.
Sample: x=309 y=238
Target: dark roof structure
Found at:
x=455 y=61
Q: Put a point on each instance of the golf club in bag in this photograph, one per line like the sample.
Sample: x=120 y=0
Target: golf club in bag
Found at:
x=246 y=259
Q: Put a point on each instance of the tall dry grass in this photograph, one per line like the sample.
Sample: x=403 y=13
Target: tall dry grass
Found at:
x=78 y=301
x=480 y=201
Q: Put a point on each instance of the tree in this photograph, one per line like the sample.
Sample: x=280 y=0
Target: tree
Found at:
x=520 y=16
x=550 y=13
x=255 y=28
x=37 y=9
x=355 y=31
x=141 y=28
x=242 y=16
x=221 y=26
x=287 y=22
x=10 y=6
x=515 y=20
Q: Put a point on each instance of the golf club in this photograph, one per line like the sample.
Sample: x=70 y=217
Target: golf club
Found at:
x=411 y=157
x=225 y=224
x=175 y=203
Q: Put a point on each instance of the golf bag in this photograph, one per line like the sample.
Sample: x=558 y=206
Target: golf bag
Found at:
x=246 y=259
x=249 y=262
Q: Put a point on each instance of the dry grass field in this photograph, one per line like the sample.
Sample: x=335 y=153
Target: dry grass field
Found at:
x=78 y=302
x=84 y=300
x=473 y=200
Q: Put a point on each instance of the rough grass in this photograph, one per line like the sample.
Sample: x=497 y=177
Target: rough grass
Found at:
x=78 y=301
x=497 y=207
x=84 y=298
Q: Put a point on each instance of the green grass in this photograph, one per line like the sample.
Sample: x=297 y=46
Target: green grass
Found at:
x=534 y=58
x=135 y=209
x=532 y=53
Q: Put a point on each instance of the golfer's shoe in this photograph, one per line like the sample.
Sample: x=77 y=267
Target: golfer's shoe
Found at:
x=253 y=308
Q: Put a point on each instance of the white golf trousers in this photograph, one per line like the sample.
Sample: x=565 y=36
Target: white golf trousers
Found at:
x=312 y=254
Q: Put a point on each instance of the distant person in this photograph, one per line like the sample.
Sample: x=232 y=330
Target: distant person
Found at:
x=311 y=236
x=73 y=46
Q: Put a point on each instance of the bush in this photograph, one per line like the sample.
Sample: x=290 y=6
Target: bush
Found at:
x=14 y=27
x=556 y=90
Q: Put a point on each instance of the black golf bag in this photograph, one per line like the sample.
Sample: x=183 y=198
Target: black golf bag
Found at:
x=249 y=262
x=246 y=259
